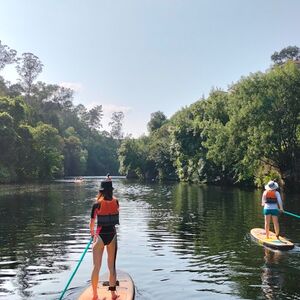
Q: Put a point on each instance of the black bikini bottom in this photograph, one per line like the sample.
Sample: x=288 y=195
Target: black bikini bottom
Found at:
x=107 y=237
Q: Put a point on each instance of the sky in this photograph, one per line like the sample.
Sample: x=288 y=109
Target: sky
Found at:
x=143 y=56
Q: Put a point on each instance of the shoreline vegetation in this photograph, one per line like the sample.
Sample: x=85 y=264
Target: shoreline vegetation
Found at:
x=43 y=135
x=245 y=135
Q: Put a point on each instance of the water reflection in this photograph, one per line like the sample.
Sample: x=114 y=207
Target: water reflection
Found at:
x=34 y=225
x=272 y=278
x=191 y=240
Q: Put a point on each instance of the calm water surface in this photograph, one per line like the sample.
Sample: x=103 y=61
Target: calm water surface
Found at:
x=177 y=241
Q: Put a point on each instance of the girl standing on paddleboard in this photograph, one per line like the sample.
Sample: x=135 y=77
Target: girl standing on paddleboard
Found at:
x=106 y=210
x=271 y=201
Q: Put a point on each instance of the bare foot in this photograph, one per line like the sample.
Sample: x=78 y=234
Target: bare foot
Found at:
x=114 y=296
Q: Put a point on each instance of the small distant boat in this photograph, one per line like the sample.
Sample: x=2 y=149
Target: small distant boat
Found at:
x=125 y=288
x=280 y=243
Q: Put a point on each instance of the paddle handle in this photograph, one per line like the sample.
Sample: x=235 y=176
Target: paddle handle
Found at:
x=73 y=274
x=291 y=214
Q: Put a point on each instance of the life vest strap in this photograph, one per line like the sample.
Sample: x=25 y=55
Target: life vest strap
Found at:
x=271 y=200
x=107 y=220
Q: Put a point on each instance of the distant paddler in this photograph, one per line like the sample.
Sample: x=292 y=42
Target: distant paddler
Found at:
x=78 y=180
x=272 y=203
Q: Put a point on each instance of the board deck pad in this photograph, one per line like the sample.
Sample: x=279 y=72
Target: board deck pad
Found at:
x=259 y=235
x=124 y=288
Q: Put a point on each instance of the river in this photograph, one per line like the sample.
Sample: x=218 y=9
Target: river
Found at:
x=176 y=240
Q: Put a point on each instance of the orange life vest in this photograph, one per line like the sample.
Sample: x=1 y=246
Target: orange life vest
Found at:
x=271 y=197
x=108 y=213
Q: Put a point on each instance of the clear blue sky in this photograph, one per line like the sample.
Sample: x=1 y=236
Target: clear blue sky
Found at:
x=141 y=56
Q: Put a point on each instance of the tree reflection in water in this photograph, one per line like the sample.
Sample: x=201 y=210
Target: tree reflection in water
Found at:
x=272 y=277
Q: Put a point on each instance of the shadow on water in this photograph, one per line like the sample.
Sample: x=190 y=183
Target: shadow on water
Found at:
x=188 y=240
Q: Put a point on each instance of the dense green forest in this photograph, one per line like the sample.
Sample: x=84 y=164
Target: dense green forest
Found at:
x=43 y=135
x=245 y=135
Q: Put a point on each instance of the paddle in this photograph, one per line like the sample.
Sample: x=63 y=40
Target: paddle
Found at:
x=291 y=214
x=81 y=258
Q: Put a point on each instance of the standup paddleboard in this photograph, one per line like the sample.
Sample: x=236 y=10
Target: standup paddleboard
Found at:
x=125 y=288
x=259 y=235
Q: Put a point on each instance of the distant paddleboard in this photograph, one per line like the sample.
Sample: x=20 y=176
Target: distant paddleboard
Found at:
x=125 y=288
x=259 y=235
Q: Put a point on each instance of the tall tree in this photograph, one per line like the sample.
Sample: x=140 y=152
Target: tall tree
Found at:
x=288 y=53
x=28 y=68
x=12 y=113
x=82 y=113
x=48 y=146
x=95 y=116
x=157 y=119
x=135 y=158
x=74 y=156
x=8 y=137
x=7 y=55
x=116 y=125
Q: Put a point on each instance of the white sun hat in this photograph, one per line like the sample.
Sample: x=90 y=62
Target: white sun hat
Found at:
x=272 y=185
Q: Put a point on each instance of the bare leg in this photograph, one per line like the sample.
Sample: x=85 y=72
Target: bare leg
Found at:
x=267 y=225
x=98 y=248
x=111 y=262
x=276 y=225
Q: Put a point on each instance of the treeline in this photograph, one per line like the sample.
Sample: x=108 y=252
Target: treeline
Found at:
x=245 y=135
x=43 y=135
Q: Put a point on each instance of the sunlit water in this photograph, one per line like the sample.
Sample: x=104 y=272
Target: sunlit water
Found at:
x=177 y=241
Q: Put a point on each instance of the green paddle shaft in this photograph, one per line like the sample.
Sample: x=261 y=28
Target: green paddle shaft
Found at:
x=291 y=214
x=81 y=258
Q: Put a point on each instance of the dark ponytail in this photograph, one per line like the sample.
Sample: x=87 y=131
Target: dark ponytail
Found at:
x=108 y=194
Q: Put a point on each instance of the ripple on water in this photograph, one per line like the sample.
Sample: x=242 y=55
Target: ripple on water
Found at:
x=179 y=240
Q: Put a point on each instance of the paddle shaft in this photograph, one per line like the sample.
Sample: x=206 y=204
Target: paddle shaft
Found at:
x=291 y=214
x=73 y=274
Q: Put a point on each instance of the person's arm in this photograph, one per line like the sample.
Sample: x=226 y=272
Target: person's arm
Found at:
x=279 y=201
x=92 y=227
x=263 y=199
x=93 y=218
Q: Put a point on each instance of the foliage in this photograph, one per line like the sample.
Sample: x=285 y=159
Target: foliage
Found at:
x=94 y=117
x=43 y=134
x=160 y=154
x=148 y=157
x=158 y=118
x=47 y=146
x=134 y=158
x=286 y=54
x=245 y=135
x=75 y=157
x=116 y=125
x=7 y=55
x=102 y=154
x=28 y=68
